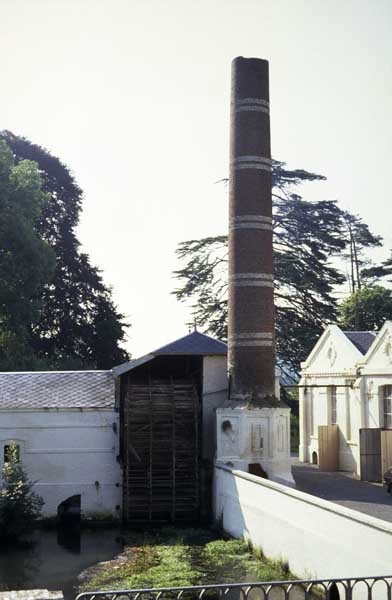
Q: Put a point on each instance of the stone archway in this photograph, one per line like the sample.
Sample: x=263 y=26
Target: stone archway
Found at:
x=314 y=458
x=69 y=510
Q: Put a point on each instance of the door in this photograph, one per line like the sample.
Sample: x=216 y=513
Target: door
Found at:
x=328 y=441
x=370 y=454
x=386 y=450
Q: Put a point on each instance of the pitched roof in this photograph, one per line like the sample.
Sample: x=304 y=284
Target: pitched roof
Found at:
x=194 y=343
x=57 y=389
x=362 y=340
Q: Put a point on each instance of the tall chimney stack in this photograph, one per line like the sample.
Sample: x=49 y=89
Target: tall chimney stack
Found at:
x=253 y=427
x=251 y=304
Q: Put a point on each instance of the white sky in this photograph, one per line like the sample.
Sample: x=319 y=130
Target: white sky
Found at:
x=133 y=95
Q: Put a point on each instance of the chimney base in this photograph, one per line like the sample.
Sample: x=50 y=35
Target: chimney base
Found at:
x=249 y=435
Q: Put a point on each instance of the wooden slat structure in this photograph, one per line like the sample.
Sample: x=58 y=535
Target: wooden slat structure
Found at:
x=328 y=441
x=386 y=450
x=370 y=454
x=161 y=451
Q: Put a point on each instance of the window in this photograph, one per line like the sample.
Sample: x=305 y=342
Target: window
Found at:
x=332 y=405
x=387 y=406
x=309 y=393
x=7 y=452
x=348 y=414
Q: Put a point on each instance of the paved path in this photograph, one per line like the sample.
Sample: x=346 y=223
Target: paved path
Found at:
x=369 y=498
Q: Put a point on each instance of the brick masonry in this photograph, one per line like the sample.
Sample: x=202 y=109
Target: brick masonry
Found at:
x=251 y=303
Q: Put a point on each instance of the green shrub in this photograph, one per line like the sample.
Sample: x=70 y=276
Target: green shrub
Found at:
x=19 y=505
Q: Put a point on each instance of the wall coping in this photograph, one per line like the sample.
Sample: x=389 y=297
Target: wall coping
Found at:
x=348 y=513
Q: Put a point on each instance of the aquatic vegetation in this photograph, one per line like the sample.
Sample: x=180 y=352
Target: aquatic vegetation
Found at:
x=179 y=557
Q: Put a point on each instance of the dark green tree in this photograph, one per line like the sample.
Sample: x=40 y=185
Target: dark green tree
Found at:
x=26 y=261
x=367 y=309
x=307 y=236
x=359 y=239
x=374 y=273
x=79 y=325
x=20 y=506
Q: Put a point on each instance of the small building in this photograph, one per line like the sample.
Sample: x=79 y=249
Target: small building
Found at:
x=167 y=402
x=67 y=429
x=136 y=442
x=148 y=424
x=345 y=399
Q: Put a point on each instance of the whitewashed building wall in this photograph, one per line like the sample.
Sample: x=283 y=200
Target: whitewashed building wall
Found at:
x=66 y=427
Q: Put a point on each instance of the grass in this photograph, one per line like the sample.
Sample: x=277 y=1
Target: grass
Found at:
x=174 y=557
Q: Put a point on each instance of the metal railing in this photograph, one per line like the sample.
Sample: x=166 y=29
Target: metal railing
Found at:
x=361 y=588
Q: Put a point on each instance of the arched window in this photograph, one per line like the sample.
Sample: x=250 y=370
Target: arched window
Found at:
x=8 y=452
x=387 y=406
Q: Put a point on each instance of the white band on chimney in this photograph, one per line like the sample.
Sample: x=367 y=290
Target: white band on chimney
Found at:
x=253 y=165
x=256 y=159
x=252 y=343
x=253 y=283
x=259 y=101
x=264 y=335
x=260 y=218
x=251 y=225
x=252 y=108
x=251 y=276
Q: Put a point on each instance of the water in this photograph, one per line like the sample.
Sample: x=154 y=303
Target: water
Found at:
x=54 y=559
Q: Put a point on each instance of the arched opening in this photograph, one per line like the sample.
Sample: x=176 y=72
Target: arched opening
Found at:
x=333 y=592
x=68 y=511
x=68 y=524
x=314 y=458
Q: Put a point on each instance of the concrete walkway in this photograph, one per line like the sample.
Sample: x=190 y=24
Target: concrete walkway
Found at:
x=369 y=498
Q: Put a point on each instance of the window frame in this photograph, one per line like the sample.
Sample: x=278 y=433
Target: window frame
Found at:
x=387 y=406
x=333 y=405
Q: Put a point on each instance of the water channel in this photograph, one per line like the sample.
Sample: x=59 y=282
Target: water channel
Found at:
x=54 y=558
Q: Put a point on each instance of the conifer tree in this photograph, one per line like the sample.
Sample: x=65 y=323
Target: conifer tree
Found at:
x=77 y=306
x=27 y=261
x=308 y=238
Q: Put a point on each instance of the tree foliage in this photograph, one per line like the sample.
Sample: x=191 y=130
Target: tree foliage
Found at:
x=376 y=272
x=359 y=239
x=26 y=261
x=367 y=309
x=79 y=324
x=20 y=506
x=308 y=237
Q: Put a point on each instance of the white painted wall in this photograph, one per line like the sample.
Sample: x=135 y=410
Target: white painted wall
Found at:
x=214 y=395
x=68 y=452
x=319 y=539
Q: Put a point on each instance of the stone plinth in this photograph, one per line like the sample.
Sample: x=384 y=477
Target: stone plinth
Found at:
x=247 y=435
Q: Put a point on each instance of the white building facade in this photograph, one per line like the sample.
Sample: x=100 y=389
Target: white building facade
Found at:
x=346 y=381
x=66 y=427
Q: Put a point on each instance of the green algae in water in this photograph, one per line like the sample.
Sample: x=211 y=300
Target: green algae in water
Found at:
x=174 y=557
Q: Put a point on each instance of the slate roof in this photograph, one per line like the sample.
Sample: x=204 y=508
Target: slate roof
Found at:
x=193 y=343
x=362 y=340
x=55 y=389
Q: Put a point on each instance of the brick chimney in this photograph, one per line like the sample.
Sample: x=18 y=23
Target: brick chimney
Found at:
x=251 y=303
x=253 y=426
